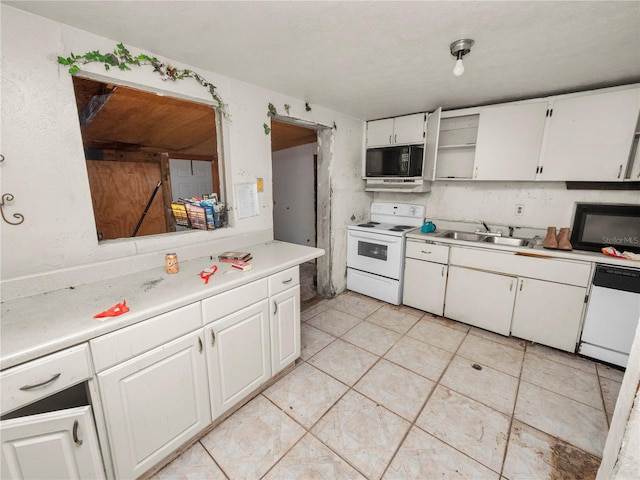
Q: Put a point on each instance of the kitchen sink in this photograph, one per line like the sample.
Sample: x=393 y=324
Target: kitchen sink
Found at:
x=470 y=237
x=479 y=237
x=511 y=241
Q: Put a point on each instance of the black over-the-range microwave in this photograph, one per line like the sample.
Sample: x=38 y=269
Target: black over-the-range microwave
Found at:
x=598 y=225
x=403 y=161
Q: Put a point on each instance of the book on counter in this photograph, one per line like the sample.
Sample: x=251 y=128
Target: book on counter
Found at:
x=241 y=265
x=231 y=257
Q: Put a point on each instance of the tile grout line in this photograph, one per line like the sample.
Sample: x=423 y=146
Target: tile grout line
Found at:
x=420 y=411
x=214 y=460
x=351 y=387
x=513 y=414
x=424 y=404
x=604 y=404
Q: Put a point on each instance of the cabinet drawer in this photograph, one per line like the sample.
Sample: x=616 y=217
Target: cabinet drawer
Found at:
x=45 y=376
x=128 y=342
x=283 y=280
x=427 y=251
x=229 y=302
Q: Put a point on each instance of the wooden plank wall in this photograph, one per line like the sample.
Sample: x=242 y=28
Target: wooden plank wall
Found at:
x=119 y=192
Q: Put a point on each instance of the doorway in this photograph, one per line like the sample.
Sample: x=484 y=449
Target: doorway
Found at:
x=294 y=154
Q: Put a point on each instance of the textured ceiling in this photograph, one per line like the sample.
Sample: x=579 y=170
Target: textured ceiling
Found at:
x=379 y=59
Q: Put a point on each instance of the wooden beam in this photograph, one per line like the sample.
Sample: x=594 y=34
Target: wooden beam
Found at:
x=166 y=190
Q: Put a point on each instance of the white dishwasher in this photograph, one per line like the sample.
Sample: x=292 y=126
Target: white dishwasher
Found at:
x=612 y=315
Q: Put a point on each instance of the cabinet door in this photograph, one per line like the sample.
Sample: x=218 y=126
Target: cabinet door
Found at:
x=548 y=313
x=424 y=285
x=590 y=137
x=285 y=328
x=481 y=299
x=380 y=133
x=509 y=141
x=60 y=444
x=154 y=403
x=408 y=129
x=431 y=144
x=238 y=355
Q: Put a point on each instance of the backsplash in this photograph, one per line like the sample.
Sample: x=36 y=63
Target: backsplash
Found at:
x=542 y=203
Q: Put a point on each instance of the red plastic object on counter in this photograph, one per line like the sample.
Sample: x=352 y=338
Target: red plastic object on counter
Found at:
x=117 y=309
x=207 y=272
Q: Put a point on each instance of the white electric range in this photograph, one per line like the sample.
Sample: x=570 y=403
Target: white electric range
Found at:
x=375 y=250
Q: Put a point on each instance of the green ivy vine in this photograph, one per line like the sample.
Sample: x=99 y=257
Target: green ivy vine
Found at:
x=123 y=60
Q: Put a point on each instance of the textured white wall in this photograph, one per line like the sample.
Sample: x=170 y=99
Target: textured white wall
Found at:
x=545 y=203
x=294 y=212
x=45 y=166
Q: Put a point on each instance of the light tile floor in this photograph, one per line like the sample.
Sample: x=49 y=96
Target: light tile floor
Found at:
x=389 y=392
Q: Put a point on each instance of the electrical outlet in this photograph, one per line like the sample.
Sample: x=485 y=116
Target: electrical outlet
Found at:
x=519 y=209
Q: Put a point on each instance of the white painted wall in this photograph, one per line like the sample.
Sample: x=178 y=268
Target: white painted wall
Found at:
x=545 y=203
x=45 y=167
x=294 y=212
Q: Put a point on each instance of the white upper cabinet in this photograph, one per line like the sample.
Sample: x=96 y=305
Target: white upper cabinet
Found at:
x=590 y=136
x=578 y=137
x=509 y=141
x=405 y=130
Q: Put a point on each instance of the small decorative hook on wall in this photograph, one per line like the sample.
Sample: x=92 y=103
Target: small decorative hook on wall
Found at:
x=9 y=198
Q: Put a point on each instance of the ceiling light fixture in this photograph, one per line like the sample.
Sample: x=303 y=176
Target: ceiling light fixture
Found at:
x=459 y=49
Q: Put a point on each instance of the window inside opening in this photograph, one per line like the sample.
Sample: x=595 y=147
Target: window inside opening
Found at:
x=153 y=161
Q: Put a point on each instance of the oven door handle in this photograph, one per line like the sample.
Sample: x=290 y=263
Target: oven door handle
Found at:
x=375 y=238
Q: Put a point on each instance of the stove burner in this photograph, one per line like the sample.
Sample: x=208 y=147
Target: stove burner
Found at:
x=402 y=227
x=396 y=229
x=368 y=225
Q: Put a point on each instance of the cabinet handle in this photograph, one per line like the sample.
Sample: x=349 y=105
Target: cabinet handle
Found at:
x=199 y=344
x=213 y=338
x=41 y=384
x=75 y=433
x=521 y=283
x=443 y=271
x=395 y=139
x=389 y=139
x=620 y=171
x=511 y=286
x=426 y=253
x=275 y=308
x=288 y=281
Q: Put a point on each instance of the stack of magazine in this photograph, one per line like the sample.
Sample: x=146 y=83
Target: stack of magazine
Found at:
x=238 y=260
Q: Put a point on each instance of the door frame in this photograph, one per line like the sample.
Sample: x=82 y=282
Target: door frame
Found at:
x=322 y=161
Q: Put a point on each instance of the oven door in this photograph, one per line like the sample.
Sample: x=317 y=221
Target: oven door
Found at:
x=375 y=253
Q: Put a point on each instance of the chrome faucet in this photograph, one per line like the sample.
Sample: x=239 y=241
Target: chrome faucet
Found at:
x=488 y=231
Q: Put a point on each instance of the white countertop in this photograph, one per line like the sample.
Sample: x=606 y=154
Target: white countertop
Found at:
x=539 y=251
x=45 y=323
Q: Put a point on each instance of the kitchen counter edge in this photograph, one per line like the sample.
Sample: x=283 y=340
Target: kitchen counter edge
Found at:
x=576 y=255
x=35 y=326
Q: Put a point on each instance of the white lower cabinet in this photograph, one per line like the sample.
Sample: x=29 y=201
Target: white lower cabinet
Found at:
x=480 y=298
x=60 y=444
x=238 y=355
x=284 y=318
x=424 y=285
x=285 y=328
x=425 y=276
x=548 y=313
x=154 y=403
